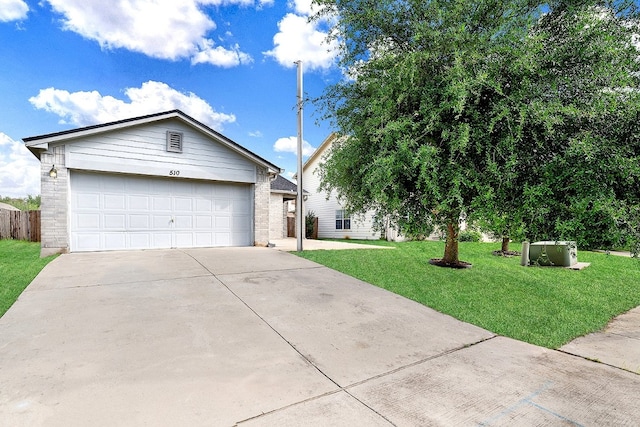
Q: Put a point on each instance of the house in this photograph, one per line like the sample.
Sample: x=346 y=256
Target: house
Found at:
x=333 y=220
x=282 y=204
x=163 y=180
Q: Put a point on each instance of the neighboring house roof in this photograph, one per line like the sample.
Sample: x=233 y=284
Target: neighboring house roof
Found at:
x=37 y=144
x=321 y=149
x=282 y=185
x=8 y=207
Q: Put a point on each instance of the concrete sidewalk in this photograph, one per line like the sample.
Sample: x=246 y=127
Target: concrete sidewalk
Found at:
x=290 y=244
x=617 y=345
x=260 y=337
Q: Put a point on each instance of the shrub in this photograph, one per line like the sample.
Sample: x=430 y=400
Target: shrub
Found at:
x=469 y=236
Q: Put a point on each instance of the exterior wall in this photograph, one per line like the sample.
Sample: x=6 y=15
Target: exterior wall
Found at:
x=54 y=209
x=262 y=193
x=325 y=209
x=277 y=224
x=142 y=150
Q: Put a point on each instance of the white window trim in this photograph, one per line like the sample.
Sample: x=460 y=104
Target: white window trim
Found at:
x=343 y=217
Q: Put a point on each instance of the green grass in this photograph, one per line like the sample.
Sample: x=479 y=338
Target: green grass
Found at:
x=20 y=263
x=547 y=306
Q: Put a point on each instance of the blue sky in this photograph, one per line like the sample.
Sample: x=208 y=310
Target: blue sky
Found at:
x=228 y=63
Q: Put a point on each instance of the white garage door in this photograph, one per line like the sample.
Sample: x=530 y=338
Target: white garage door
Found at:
x=114 y=212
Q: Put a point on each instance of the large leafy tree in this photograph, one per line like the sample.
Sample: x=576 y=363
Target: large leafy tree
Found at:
x=415 y=113
x=494 y=109
x=569 y=174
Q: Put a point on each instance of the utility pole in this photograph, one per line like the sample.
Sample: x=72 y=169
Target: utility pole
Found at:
x=299 y=207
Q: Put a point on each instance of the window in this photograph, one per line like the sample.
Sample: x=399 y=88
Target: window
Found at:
x=343 y=220
x=174 y=142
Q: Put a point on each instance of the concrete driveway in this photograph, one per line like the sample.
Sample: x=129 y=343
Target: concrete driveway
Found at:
x=260 y=337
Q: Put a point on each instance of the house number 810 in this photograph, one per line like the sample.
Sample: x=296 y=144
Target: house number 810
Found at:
x=174 y=173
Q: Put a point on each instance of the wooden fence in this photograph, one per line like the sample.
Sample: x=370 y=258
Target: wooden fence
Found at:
x=20 y=225
x=291 y=228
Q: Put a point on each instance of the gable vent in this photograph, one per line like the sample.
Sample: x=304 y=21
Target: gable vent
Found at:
x=174 y=142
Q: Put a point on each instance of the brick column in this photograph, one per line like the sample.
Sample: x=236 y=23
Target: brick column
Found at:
x=54 y=208
x=261 y=205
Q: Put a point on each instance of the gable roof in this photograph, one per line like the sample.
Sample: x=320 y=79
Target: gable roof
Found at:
x=325 y=144
x=39 y=143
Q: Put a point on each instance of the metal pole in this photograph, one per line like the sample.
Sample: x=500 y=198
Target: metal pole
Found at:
x=299 y=207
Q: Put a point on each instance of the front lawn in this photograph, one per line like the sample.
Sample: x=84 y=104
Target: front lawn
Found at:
x=547 y=306
x=20 y=263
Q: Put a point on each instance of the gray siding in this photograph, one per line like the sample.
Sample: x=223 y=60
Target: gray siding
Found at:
x=142 y=150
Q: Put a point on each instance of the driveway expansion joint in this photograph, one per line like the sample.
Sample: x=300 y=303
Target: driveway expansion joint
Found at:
x=590 y=359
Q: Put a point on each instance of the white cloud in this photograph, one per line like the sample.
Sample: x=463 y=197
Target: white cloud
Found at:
x=256 y=134
x=301 y=7
x=220 y=56
x=290 y=145
x=88 y=108
x=299 y=39
x=13 y=10
x=170 y=30
x=19 y=169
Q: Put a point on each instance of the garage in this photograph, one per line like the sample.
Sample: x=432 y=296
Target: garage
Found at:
x=119 y=212
x=159 y=181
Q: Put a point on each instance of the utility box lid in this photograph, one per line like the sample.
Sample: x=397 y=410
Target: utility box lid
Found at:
x=558 y=253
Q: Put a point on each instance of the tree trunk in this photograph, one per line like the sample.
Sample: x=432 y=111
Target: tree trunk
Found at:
x=451 y=244
x=505 y=243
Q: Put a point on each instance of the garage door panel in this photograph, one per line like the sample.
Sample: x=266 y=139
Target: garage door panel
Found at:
x=115 y=240
x=88 y=200
x=184 y=240
x=161 y=203
x=222 y=239
x=183 y=222
x=204 y=222
x=222 y=223
x=113 y=212
x=161 y=240
x=88 y=241
x=140 y=186
x=139 y=202
x=222 y=205
x=204 y=240
x=161 y=222
x=238 y=239
x=114 y=185
x=114 y=201
x=183 y=205
x=115 y=221
x=88 y=221
x=240 y=223
x=203 y=205
x=140 y=241
x=139 y=221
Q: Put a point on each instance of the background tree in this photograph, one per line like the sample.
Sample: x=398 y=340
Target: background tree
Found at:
x=415 y=114
x=28 y=203
x=564 y=129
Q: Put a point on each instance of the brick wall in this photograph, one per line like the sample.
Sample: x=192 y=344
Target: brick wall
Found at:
x=55 y=202
x=261 y=202
x=277 y=228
